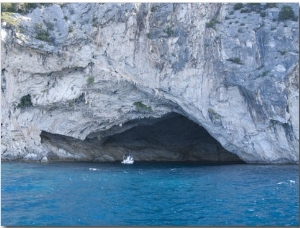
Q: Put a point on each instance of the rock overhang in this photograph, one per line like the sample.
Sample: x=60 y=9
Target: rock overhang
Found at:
x=172 y=137
x=126 y=68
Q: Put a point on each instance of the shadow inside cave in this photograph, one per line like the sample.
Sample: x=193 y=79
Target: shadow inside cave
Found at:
x=172 y=137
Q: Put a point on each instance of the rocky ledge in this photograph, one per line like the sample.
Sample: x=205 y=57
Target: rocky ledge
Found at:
x=165 y=82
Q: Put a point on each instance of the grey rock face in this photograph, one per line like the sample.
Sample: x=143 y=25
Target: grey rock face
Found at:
x=100 y=70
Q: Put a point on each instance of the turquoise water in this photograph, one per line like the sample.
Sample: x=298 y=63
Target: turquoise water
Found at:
x=95 y=194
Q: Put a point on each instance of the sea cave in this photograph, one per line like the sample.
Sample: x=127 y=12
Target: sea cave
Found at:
x=172 y=137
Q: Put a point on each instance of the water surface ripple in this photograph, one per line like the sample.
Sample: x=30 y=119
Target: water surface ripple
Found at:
x=95 y=194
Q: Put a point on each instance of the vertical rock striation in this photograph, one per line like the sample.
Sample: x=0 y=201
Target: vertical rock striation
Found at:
x=89 y=71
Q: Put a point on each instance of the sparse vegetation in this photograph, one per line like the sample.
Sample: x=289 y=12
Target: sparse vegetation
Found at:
x=169 y=31
x=253 y=4
x=90 y=80
x=282 y=52
x=28 y=7
x=142 y=107
x=245 y=11
x=95 y=24
x=154 y=8
x=254 y=7
x=263 y=14
x=70 y=29
x=21 y=29
x=286 y=13
x=41 y=33
x=66 y=18
x=18 y=7
x=49 y=25
x=8 y=17
x=212 y=23
x=235 y=60
x=149 y=35
x=238 y=6
x=25 y=101
x=265 y=73
x=271 y=5
x=8 y=7
x=213 y=114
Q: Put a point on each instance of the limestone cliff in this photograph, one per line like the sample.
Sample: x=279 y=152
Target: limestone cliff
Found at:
x=78 y=80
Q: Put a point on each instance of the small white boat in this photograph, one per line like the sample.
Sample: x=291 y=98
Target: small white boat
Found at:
x=127 y=159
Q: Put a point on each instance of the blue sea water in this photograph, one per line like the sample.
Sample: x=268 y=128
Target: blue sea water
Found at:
x=101 y=194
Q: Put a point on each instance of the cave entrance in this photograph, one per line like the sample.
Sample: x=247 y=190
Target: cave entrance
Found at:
x=172 y=137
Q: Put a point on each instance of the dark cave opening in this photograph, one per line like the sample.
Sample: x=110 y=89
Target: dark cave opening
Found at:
x=170 y=138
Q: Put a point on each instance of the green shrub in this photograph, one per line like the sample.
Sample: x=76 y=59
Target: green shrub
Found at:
x=238 y=6
x=70 y=29
x=43 y=35
x=154 y=8
x=263 y=14
x=212 y=113
x=169 y=31
x=245 y=11
x=286 y=13
x=142 y=107
x=25 y=101
x=211 y=23
x=282 y=52
x=90 y=80
x=49 y=25
x=26 y=7
x=8 y=7
x=66 y=18
x=149 y=35
x=265 y=73
x=271 y=5
x=18 y=7
x=95 y=24
x=21 y=30
x=8 y=17
x=235 y=60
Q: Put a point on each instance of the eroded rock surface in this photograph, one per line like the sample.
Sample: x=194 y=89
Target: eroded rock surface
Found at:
x=102 y=70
